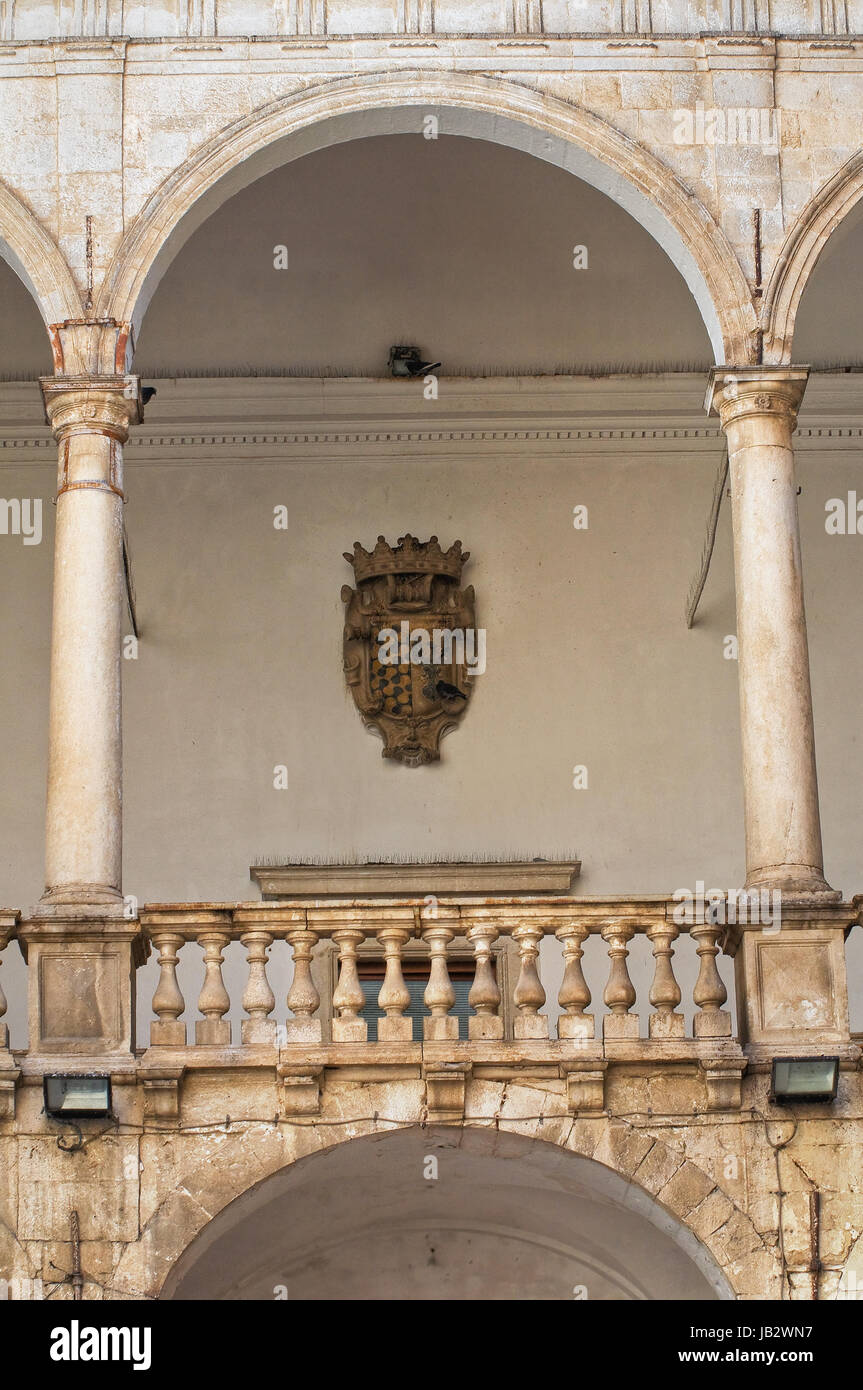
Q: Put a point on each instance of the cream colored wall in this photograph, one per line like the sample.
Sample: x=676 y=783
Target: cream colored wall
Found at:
x=589 y=662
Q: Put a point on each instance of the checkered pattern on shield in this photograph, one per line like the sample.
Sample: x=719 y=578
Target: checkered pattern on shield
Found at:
x=391 y=683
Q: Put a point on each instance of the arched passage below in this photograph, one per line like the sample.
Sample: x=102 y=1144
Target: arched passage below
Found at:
x=447 y=1214
x=475 y=106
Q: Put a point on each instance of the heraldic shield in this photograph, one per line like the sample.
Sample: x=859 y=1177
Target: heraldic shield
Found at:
x=411 y=644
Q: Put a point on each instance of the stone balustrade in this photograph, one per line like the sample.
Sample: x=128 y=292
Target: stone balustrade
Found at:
x=366 y=986
x=481 y=928
x=512 y=1029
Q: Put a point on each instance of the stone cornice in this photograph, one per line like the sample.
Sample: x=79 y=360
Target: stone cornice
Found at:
x=222 y=420
x=505 y=52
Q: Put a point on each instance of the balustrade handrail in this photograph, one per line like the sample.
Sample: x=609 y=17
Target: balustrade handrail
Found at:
x=324 y=915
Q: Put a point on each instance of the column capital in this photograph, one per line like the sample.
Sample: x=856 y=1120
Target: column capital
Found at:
x=106 y=405
x=737 y=393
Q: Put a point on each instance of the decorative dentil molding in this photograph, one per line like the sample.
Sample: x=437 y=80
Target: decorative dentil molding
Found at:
x=222 y=420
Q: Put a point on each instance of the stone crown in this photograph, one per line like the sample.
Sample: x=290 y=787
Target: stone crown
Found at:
x=409 y=556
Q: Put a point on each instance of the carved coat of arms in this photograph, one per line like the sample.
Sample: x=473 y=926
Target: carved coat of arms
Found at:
x=411 y=643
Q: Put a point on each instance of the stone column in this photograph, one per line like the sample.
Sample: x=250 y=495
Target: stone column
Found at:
x=90 y=417
x=758 y=409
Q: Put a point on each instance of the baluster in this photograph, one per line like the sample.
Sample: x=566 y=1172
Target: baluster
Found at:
x=710 y=993
x=394 y=996
x=168 y=1002
x=664 y=991
x=439 y=994
x=574 y=995
x=258 y=999
x=348 y=997
x=529 y=995
x=619 y=992
x=4 y=1030
x=213 y=1030
x=484 y=993
x=303 y=996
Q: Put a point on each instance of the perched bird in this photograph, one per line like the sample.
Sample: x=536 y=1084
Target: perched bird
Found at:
x=435 y=688
x=449 y=692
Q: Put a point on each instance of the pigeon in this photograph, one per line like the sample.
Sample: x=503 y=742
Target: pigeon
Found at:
x=449 y=692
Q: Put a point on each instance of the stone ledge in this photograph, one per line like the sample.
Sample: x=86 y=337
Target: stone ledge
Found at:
x=481 y=877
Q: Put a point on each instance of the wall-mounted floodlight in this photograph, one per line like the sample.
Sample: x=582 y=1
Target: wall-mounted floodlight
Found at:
x=70 y=1097
x=804 y=1079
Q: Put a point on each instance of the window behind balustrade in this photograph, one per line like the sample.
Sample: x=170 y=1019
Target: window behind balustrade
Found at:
x=416 y=976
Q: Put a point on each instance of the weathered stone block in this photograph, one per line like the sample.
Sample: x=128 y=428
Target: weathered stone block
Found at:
x=685 y=1189
x=98 y=1181
x=441 y=1029
x=622 y=1026
x=576 y=1026
x=779 y=1013
x=534 y=1026
x=666 y=1026
x=161 y=1089
x=260 y=1031
x=304 y=1030
x=715 y=1023
x=395 y=1029
x=724 y=1085
x=623 y=1148
x=710 y=1214
x=736 y=1239
x=213 y=1032
x=656 y=1169
x=484 y=1026
x=167 y=1033
x=349 y=1030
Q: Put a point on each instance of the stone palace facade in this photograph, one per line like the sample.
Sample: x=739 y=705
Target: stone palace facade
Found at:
x=594 y=1114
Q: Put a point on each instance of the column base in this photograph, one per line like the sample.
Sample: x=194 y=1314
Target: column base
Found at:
x=85 y=894
x=796 y=880
x=109 y=913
